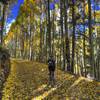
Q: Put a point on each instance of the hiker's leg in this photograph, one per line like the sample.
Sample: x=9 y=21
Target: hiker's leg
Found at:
x=50 y=77
x=53 y=79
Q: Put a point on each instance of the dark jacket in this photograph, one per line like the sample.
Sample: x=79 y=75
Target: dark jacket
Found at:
x=51 y=64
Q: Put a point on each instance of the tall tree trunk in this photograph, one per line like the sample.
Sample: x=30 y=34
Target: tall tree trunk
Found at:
x=49 y=29
x=73 y=36
x=62 y=34
x=30 y=44
x=53 y=49
x=46 y=35
x=60 y=48
x=90 y=36
x=30 y=37
x=66 y=36
x=15 y=53
x=95 y=67
x=41 y=41
x=22 y=45
x=2 y=24
x=84 y=44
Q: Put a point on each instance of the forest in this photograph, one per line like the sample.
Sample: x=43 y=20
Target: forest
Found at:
x=68 y=30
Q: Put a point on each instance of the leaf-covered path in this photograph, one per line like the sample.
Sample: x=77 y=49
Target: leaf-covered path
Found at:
x=28 y=81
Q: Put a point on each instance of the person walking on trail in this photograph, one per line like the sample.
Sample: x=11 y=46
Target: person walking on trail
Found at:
x=51 y=68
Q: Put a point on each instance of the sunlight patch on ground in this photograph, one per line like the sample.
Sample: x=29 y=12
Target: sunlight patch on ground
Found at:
x=45 y=94
x=77 y=81
x=40 y=88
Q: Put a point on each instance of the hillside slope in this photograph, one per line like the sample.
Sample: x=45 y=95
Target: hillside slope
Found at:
x=28 y=81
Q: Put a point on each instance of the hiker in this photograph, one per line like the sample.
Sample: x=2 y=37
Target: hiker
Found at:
x=51 y=68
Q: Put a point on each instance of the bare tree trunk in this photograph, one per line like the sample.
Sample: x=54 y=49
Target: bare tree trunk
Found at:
x=41 y=41
x=53 y=36
x=66 y=36
x=73 y=36
x=84 y=45
x=90 y=36
x=49 y=29
x=62 y=35
x=2 y=24
x=15 y=46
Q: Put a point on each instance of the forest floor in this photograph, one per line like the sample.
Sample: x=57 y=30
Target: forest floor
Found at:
x=28 y=81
